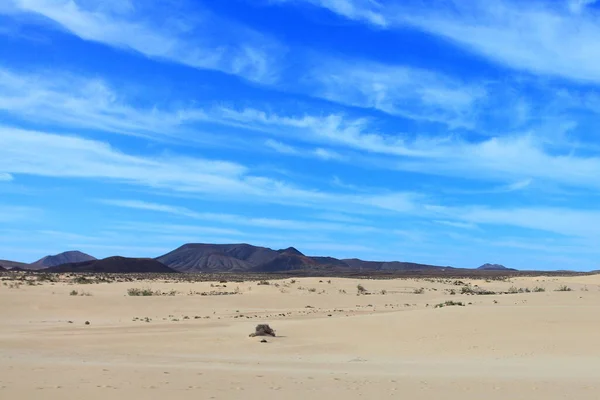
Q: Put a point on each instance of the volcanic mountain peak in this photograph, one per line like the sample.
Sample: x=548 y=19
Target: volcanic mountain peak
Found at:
x=290 y=250
x=66 y=257
x=494 y=267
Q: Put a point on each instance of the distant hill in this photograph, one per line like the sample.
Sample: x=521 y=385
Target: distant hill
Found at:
x=13 y=264
x=495 y=267
x=2 y=268
x=202 y=257
x=62 y=258
x=117 y=264
x=389 y=265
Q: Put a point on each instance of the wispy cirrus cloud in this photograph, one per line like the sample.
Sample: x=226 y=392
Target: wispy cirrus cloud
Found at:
x=400 y=90
x=240 y=220
x=201 y=40
x=550 y=38
x=60 y=156
x=4 y=177
x=360 y=10
x=517 y=158
x=67 y=100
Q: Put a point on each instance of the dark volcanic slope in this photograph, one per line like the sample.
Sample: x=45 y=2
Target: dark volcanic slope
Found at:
x=330 y=261
x=2 y=268
x=62 y=258
x=495 y=267
x=13 y=264
x=121 y=265
x=355 y=263
x=199 y=257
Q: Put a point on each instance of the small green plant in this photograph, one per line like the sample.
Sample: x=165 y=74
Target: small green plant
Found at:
x=564 y=288
x=140 y=292
x=74 y=293
x=46 y=278
x=82 y=280
x=450 y=303
x=513 y=290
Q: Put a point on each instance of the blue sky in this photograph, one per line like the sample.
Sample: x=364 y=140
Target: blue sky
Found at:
x=445 y=132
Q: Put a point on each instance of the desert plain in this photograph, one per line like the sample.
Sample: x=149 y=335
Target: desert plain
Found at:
x=534 y=338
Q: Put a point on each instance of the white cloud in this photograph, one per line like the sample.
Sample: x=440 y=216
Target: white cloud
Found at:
x=578 y=6
x=520 y=157
x=327 y=154
x=67 y=100
x=240 y=220
x=4 y=177
x=281 y=147
x=11 y=213
x=513 y=187
x=569 y=222
x=59 y=156
x=557 y=38
x=366 y=10
x=398 y=90
x=456 y=224
x=201 y=41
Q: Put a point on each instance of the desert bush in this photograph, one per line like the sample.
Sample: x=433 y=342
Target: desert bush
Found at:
x=539 y=289
x=140 y=292
x=419 y=291
x=475 y=291
x=383 y=291
x=82 y=280
x=563 y=288
x=46 y=278
x=74 y=293
x=361 y=289
x=263 y=283
x=312 y=289
x=450 y=303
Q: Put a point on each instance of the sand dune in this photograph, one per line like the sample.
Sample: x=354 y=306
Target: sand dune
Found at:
x=332 y=343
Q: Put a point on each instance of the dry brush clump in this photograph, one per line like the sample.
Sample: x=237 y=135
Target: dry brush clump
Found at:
x=149 y=292
x=361 y=289
x=563 y=288
x=450 y=303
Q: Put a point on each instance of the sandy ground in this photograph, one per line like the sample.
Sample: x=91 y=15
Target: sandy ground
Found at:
x=331 y=344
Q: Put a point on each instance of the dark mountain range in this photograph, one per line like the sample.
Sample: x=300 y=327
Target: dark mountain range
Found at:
x=2 y=268
x=389 y=265
x=217 y=258
x=13 y=264
x=121 y=265
x=62 y=258
x=495 y=267
x=199 y=257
